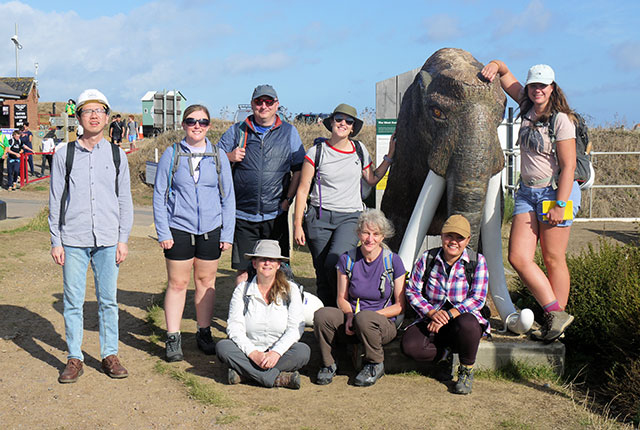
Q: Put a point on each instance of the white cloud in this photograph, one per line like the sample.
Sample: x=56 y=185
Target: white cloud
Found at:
x=534 y=19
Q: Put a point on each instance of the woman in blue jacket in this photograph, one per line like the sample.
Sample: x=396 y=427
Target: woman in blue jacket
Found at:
x=194 y=214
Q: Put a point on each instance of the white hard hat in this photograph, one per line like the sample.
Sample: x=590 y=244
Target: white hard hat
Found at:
x=92 y=95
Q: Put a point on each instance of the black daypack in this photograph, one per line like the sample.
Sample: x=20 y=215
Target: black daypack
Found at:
x=71 y=150
x=584 y=166
x=469 y=272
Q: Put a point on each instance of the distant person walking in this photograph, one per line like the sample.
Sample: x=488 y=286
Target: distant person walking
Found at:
x=132 y=131
x=4 y=152
x=90 y=219
x=27 y=141
x=267 y=155
x=194 y=214
x=116 y=130
x=547 y=174
x=48 y=146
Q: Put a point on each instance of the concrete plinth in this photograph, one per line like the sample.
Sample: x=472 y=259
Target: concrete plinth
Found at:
x=3 y=208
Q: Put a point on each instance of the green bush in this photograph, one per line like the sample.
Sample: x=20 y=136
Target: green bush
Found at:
x=603 y=343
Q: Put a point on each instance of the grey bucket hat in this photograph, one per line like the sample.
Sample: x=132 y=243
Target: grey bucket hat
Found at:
x=347 y=110
x=266 y=248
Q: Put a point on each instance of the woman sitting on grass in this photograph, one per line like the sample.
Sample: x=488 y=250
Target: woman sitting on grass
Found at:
x=264 y=326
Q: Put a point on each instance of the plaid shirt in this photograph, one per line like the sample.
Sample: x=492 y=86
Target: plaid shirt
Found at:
x=440 y=288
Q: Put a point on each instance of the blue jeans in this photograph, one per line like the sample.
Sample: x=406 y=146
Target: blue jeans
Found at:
x=105 y=275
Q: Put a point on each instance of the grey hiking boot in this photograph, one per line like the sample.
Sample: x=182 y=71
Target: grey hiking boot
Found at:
x=233 y=377
x=205 y=341
x=465 y=380
x=560 y=320
x=553 y=326
x=369 y=374
x=326 y=374
x=173 y=347
x=288 y=380
x=444 y=366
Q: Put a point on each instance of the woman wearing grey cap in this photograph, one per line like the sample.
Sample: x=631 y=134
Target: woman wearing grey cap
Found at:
x=337 y=165
x=548 y=197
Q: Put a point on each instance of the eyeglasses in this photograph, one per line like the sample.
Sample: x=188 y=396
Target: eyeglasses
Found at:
x=192 y=121
x=87 y=112
x=339 y=118
x=268 y=102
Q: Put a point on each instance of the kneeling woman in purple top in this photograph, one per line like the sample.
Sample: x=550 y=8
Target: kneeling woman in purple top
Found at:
x=448 y=305
x=370 y=298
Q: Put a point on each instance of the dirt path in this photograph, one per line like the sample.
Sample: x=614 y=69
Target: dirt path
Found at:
x=33 y=352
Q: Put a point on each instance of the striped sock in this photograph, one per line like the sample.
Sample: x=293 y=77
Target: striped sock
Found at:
x=553 y=306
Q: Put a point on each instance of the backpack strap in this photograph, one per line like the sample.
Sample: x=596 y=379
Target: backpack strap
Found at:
x=71 y=148
x=359 y=151
x=387 y=275
x=175 y=160
x=351 y=261
x=115 y=152
x=174 y=164
x=246 y=298
x=470 y=267
x=316 y=173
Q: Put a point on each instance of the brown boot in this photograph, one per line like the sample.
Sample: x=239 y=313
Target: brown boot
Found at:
x=288 y=380
x=72 y=371
x=112 y=367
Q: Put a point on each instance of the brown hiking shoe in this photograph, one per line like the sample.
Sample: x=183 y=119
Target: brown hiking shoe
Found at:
x=72 y=371
x=288 y=380
x=112 y=367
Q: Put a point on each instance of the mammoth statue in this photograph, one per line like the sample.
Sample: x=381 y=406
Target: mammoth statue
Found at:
x=448 y=161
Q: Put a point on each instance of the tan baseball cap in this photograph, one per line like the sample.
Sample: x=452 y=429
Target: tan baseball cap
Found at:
x=457 y=224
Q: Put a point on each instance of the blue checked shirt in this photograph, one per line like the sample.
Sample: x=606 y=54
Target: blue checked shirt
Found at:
x=440 y=288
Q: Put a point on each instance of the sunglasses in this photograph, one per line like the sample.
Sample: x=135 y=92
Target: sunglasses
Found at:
x=192 y=121
x=268 y=102
x=339 y=118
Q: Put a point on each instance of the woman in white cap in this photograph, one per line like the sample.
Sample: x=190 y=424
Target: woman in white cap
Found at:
x=337 y=165
x=547 y=166
x=265 y=324
x=194 y=215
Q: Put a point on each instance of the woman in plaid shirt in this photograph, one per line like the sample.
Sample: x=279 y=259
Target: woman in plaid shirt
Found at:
x=448 y=307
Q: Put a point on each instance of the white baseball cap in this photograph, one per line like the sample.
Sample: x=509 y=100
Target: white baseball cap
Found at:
x=92 y=95
x=540 y=74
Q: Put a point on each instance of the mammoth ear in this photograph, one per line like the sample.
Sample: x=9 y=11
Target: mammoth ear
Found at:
x=423 y=78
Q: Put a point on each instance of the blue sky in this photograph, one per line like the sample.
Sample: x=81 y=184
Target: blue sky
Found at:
x=318 y=54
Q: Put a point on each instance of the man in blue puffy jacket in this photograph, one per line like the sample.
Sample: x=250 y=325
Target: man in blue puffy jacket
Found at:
x=266 y=155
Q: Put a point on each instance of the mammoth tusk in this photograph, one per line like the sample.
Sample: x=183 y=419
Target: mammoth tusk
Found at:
x=491 y=233
x=421 y=218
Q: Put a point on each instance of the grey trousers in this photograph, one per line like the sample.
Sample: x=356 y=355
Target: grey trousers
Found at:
x=328 y=237
x=295 y=358
x=371 y=328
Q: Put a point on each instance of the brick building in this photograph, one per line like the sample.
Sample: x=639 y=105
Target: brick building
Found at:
x=18 y=102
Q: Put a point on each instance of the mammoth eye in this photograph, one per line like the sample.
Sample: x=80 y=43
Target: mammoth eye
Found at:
x=437 y=113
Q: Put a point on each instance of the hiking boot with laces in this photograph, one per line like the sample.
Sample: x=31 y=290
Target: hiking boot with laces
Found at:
x=326 y=374
x=465 y=380
x=205 y=341
x=444 y=366
x=369 y=374
x=173 y=347
x=553 y=326
x=288 y=380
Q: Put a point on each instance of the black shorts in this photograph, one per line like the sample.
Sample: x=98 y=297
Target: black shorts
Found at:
x=116 y=139
x=184 y=249
x=247 y=233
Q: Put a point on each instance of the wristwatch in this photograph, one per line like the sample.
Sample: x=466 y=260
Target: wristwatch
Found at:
x=290 y=199
x=561 y=203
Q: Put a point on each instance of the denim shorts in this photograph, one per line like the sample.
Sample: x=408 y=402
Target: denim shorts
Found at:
x=530 y=200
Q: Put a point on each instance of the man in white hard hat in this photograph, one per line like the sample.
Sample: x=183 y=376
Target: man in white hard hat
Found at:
x=90 y=218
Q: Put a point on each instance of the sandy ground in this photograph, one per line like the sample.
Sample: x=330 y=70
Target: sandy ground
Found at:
x=33 y=353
